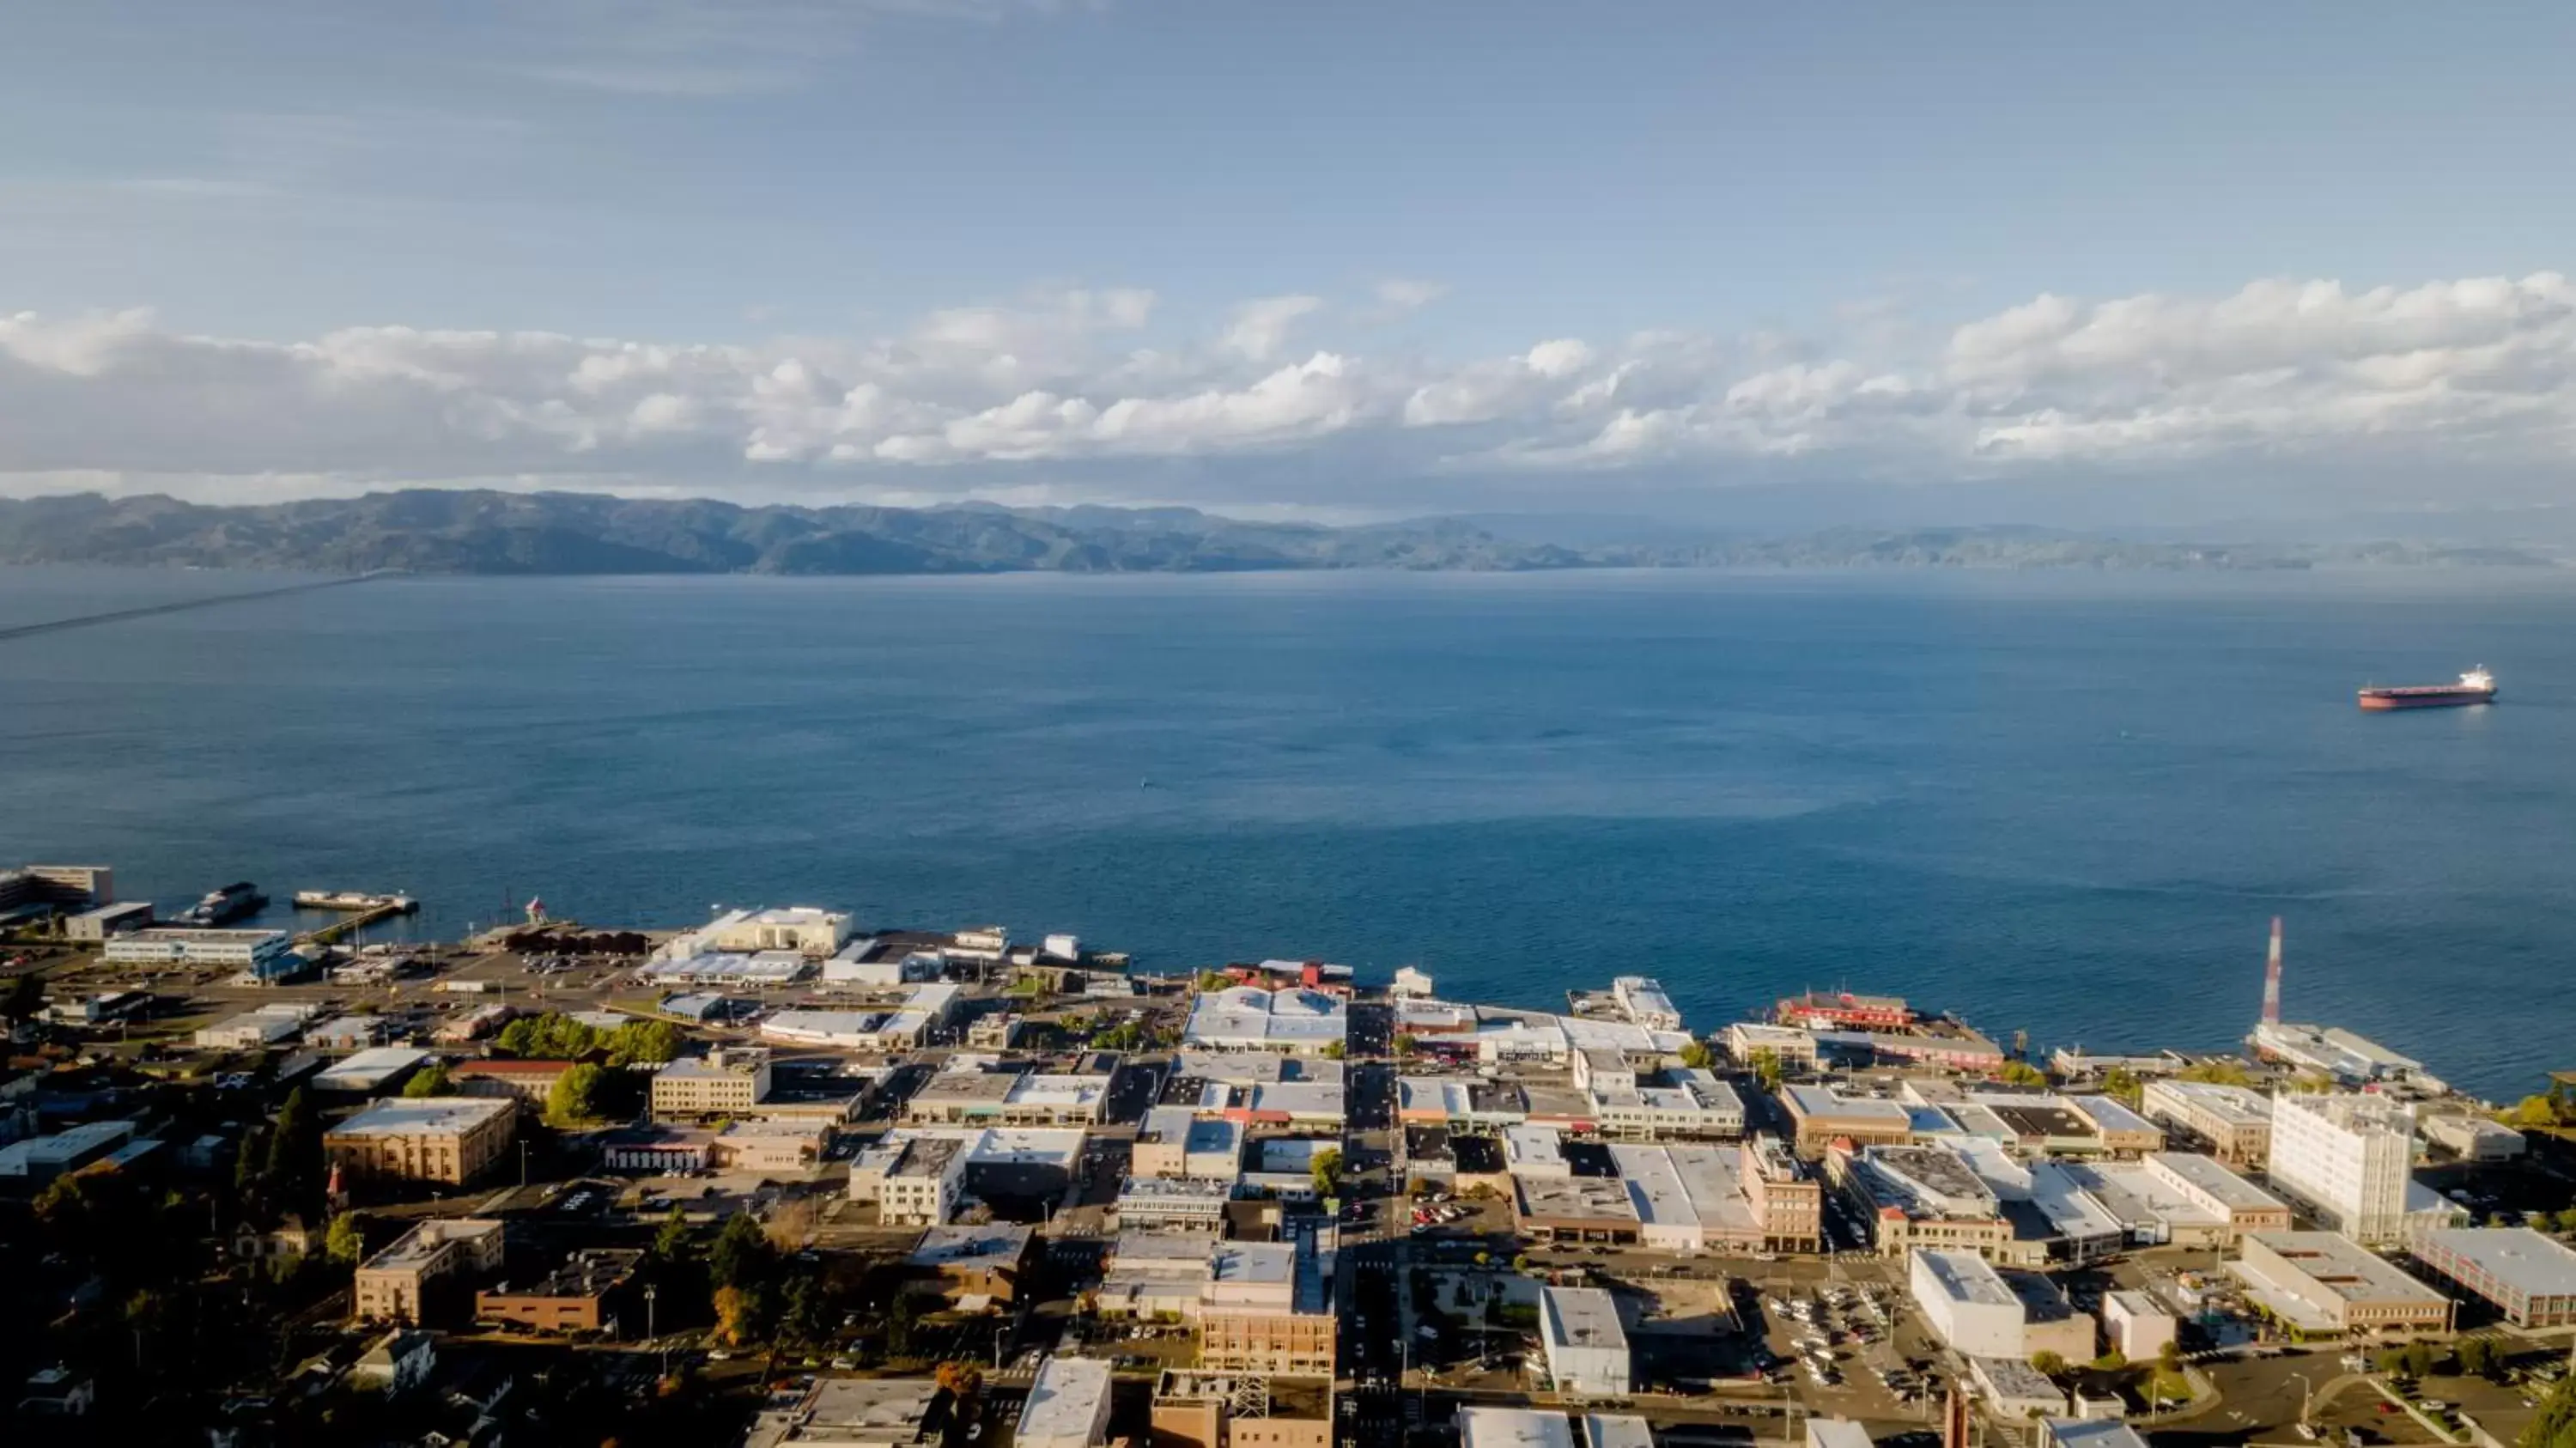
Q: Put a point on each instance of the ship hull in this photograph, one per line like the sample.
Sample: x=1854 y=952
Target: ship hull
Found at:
x=2425 y=698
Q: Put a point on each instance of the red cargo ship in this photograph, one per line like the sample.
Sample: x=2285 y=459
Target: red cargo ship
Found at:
x=2477 y=686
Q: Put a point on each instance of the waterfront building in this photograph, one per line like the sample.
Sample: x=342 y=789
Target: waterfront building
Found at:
x=2234 y=1122
x=448 y=1139
x=2349 y=1159
x=1843 y=1010
x=1794 y=1047
x=1642 y=1000
x=807 y=930
x=107 y=920
x=265 y=954
x=1248 y=1018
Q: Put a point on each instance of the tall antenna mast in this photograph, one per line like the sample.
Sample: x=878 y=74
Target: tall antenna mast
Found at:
x=2272 y=978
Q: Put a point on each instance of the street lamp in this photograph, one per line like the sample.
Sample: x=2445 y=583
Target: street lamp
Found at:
x=2307 y=1396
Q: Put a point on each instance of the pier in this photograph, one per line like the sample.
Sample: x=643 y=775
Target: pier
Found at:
x=361 y=910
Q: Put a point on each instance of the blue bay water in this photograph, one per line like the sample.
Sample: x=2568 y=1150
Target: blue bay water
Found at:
x=2054 y=802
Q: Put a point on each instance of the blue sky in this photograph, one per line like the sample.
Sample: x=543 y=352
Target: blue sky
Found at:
x=1288 y=257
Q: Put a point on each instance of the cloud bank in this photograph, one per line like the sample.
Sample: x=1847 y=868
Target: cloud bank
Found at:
x=1280 y=402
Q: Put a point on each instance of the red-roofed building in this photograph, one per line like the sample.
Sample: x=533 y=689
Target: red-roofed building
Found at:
x=529 y=1081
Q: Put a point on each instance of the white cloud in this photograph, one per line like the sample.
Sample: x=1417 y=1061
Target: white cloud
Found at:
x=1261 y=327
x=1397 y=295
x=1062 y=390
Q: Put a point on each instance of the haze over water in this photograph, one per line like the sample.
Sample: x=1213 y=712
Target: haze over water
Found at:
x=2055 y=802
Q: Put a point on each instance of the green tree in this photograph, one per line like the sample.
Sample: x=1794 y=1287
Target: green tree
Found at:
x=2554 y=1426
x=2532 y=1113
x=2224 y=1071
x=1407 y=1043
x=575 y=1098
x=2111 y=1362
x=644 y=1043
x=2477 y=1357
x=1327 y=1170
x=247 y=1159
x=1766 y=1067
x=2122 y=1084
x=2391 y=1361
x=1213 y=980
x=429 y=1080
x=295 y=1149
x=2565 y=1222
x=671 y=1242
x=2021 y=1073
x=806 y=1310
x=1335 y=1050
x=902 y=1315
x=2169 y=1357
x=2419 y=1359
x=742 y=1254
x=346 y=1242
x=2047 y=1363
x=1696 y=1055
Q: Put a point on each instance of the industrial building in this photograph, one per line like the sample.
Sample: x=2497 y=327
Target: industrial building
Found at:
x=107 y=920
x=265 y=954
x=2528 y=1278
x=1484 y=1427
x=450 y=1139
x=807 y=930
x=367 y=1072
x=252 y=1030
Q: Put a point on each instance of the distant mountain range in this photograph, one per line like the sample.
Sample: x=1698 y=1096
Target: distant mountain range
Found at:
x=451 y=531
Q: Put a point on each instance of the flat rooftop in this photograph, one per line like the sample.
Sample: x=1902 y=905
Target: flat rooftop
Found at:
x=424 y=1115
x=1580 y=1317
x=1967 y=1277
x=1065 y=1398
x=2334 y=1263
x=2213 y=1177
x=1602 y=1199
x=989 y=1242
x=1513 y=1428
x=1826 y=1104
x=2518 y=1257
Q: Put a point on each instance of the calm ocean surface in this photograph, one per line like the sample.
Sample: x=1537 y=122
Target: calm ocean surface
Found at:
x=2059 y=803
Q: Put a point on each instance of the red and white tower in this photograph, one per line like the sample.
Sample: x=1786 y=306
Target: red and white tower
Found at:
x=2272 y=978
